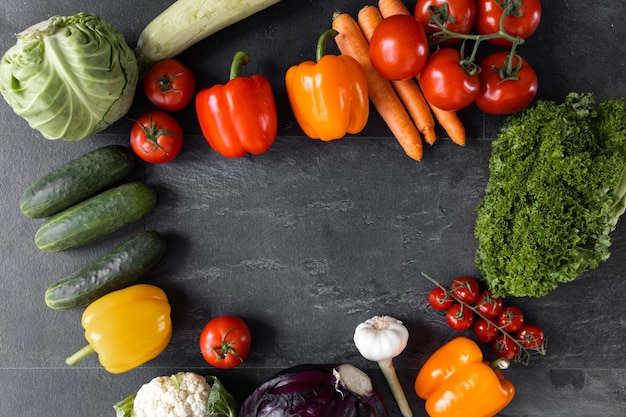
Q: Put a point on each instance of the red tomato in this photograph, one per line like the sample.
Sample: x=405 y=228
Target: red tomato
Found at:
x=488 y=305
x=399 y=47
x=511 y=319
x=439 y=299
x=502 y=92
x=505 y=347
x=169 y=85
x=522 y=21
x=485 y=331
x=225 y=341
x=459 y=18
x=466 y=289
x=156 y=137
x=530 y=336
x=459 y=317
x=445 y=82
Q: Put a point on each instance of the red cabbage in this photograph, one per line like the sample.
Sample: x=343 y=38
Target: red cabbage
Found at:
x=315 y=391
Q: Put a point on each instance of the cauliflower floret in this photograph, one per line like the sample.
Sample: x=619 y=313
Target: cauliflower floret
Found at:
x=184 y=394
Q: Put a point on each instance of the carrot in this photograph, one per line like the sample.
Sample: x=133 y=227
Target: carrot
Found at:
x=449 y=120
x=452 y=124
x=391 y=7
x=352 y=42
x=368 y=18
x=410 y=94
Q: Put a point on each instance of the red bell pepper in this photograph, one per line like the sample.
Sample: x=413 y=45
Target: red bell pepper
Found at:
x=240 y=116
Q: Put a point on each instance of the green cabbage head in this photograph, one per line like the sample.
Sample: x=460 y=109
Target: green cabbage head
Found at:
x=69 y=77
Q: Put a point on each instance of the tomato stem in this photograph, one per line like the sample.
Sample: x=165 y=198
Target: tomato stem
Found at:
x=509 y=72
x=468 y=64
x=524 y=354
x=225 y=348
x=165 y=83
x=152 y=135
x=510 y=7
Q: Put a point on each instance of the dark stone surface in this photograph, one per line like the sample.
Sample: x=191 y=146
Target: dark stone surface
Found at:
x=309 y=239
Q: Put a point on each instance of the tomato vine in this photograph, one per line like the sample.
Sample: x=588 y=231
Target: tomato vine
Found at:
x=525 y=352
x=510 y=8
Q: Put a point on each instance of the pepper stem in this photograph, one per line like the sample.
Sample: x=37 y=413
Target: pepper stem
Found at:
x=398 y=393
x=74 y=358
x=500 y=364
x=240 y=59
x=320 y=51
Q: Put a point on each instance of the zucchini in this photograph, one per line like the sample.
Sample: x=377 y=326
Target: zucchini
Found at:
x=187 y=22
x=96 y=217
x=77 y=180
x=117 y=269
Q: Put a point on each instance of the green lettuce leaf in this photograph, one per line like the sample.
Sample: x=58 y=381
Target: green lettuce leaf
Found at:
x=556 y=189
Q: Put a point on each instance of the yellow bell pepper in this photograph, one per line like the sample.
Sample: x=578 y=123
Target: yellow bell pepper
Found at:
x=456 y=382
x=329 y=97
x=126 y=328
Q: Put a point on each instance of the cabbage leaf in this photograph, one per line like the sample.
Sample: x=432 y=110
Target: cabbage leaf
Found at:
x=69 y=77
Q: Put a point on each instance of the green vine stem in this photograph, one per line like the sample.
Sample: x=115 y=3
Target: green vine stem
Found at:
x=440 y=15
x=524 y=354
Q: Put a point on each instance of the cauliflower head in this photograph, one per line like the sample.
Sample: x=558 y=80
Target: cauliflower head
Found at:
x=184 y=394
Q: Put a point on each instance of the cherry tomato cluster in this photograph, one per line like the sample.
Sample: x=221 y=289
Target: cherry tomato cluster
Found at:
x=157 y=137
x=467 y=306
x=451 y=79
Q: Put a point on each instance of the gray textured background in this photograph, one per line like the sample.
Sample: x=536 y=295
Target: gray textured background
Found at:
x=309 y=239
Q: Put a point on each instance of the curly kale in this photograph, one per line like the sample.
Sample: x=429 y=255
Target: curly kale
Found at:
x=556 y=189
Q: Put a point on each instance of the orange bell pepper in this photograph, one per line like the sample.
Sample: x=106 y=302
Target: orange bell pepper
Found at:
x=456 y=382
x=329 y=97
x=240 y=116
x=127 y=328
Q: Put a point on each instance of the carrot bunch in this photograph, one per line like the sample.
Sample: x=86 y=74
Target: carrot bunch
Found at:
x=401 y=104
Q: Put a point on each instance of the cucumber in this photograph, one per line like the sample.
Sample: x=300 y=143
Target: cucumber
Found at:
x=117 y=269
x=96 y=217
x=77 y=180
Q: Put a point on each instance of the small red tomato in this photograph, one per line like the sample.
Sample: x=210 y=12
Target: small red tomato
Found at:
x=485 y=331
x=466 y=289
x=505 y=347
x=156 y=137
x=169 y=85
x=459 y=17
x=505 y=88
x=530 y=336
x=447 y=83
x=459 y=317
x=399 y=47
x=488 y=305
x=511 y=319
x=225 y=342
x=439 y=299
